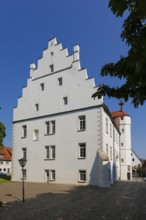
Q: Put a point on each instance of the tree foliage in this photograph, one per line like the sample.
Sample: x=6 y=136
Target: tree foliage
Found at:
x=132 y=67
x=2 y=133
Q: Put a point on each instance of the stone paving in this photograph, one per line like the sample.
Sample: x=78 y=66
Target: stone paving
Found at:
x=122 y=201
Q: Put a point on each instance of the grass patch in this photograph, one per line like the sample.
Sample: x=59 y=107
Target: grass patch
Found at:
x=5 y=178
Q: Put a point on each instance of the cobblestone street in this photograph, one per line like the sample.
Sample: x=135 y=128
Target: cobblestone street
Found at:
x=122 y=201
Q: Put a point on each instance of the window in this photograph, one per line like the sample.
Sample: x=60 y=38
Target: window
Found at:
x=107 y=150
x=7 y=162
x=122 y=144
x=42 y=86
x=36 y=107
x=52 y=53
x=1 y=155
x=36 y=135
x=82 y=150
x=128 y=168
x=82 y=175
x=50 y=152
x=24 y=153
x=1 y=162
x=65 y=100
x=24 y=131
x=4 y=169
x=106 y=125
x=52 y=175
x=52 y=68
x=110 y=130
x=122 y=118
x=122 y=160
x=60 y=82
x=50 y=127
x=82 y=123
x=133 y=159
x=111 y=153
x=122 y=130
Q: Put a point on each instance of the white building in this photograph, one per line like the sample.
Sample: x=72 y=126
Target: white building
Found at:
x=5 y=160
x=65 y=135
x=123 y=121
x=136 y=162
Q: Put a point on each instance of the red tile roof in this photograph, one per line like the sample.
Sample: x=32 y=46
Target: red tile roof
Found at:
x=119 y=114
x=5 y=154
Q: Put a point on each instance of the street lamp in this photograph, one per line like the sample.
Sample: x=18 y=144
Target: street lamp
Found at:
x=22 y=163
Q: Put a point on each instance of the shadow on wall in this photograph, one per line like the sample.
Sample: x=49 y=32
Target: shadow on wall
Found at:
x=102 y=173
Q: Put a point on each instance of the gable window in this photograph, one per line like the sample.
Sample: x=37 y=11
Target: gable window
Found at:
x=60 y=82
x=52 y=68
x=82 y=123
x=65 y=100
x=36 y=135
x=36 y=107
x=24 y=153
x=24 y=131
x=50 y=152
x=1 y=155
x=82 y=176
x=82 y=150
x=50 y=127
x=42 y=86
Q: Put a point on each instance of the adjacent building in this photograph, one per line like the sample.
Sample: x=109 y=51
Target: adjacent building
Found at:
x=5 y=160
x=65 y=135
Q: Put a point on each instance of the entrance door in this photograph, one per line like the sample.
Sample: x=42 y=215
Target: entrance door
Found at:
x=47 y=176
x=128 y=176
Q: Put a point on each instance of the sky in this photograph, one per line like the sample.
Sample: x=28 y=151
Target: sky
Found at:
x=25 y=29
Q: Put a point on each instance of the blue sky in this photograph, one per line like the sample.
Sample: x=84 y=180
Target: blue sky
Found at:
x=25 y=28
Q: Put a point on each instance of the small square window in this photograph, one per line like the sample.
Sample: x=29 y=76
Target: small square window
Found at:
x=42 y=86
x=60 y=82
x=65 y=100
x=36 y=107
x=24 y=131
x=52 y=68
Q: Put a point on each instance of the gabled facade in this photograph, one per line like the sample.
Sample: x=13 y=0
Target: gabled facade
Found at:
x=5 y=160
x=65 y=135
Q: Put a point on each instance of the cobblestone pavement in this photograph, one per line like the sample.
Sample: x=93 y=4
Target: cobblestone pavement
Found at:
x=122 y=201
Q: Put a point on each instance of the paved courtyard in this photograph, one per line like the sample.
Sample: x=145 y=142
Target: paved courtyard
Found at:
x=122 y=201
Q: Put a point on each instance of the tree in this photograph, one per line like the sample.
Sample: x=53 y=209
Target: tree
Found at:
x=131 y=68
x=2 y=133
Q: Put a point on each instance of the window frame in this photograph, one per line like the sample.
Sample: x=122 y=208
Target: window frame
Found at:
x=24 y=131
x=82 y=151
x=50 y=152
x=50 y=127
x=82 y=176
x=82 y=123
